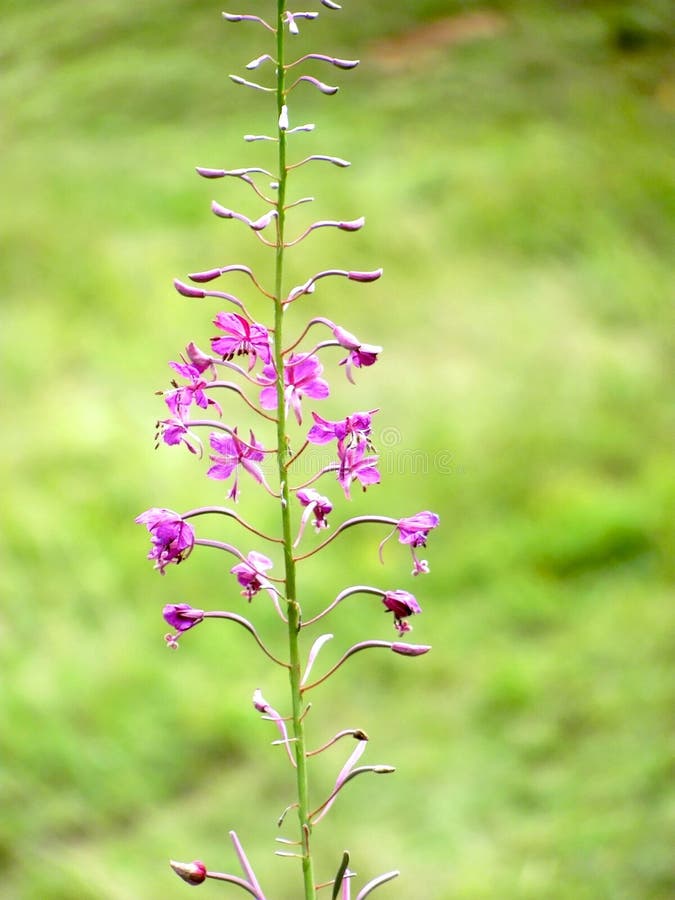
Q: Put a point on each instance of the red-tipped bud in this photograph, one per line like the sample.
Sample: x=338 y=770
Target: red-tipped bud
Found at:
x=193 y=873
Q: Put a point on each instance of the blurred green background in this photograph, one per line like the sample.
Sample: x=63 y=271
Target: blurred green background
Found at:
x=514 y=162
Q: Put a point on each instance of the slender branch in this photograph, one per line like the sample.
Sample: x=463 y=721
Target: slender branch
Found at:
x=364 y=645
x=224 y=511
x=357 y=589
x=230 y=385
x=220 y=426
x=297 y=454
x=358 y=520
x=233 y=617
x=359 y=770
x=356 y=733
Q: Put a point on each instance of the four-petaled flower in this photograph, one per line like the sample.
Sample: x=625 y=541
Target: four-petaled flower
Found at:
x=172 y=538
x=301 y=379
x=181 y=617
x=241 y=338
x=234 y=452
x=402 y=604
x=360 y=355
x=250 y=575
x=183 y=396
x=350 y=431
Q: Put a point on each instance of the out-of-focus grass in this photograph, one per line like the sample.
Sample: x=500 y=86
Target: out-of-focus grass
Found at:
x=519 y=193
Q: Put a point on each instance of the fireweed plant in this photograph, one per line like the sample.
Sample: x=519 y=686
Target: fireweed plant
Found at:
x=278 y=377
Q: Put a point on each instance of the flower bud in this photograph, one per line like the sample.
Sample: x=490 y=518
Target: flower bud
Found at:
x=210 y=173
x=283 y=119
x=364 y=276
x=193 y=873
x=187 y=290
x=410 y=649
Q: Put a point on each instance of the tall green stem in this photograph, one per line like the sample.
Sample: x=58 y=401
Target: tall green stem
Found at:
x=293 y=610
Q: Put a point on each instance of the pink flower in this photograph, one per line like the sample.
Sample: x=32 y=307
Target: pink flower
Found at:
x=172 y=538
x=402 y=604
x=354 y=429
x=250 y=577
x=360 y=355
x=356 y=466
x=242 y=338
x=200 y=360
x=233 y=452
x=182 y=397
x=301 y=379
x=316 y=504
x=181 y=617
x=414 y=531
x=174 y=431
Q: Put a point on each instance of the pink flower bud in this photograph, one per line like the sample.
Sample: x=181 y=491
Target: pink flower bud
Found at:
x=410 y=649
x=208 y=275
x=210 y=173
x=354 y=225
x=187 y=290
x=193 y=873
x=364 y=276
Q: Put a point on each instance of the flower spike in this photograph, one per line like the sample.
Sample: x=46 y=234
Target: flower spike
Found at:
x=290 y=377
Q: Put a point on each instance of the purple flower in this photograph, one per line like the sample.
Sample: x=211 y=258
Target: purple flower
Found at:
x=356 y=466
x=315 y=504
x=414 y=531
x=301 y=378
x=360 y=355
x=233 y=452
x=402 y=604
x=250 y=577
x=183 y=396
x=172 y=538
x=242 y=338
x=200 y=360
x=181 y=617
x=352 y=430
x=174 y=431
